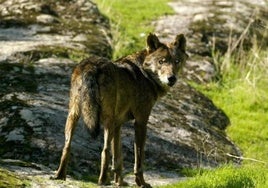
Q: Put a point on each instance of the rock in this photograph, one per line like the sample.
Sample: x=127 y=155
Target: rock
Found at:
x=214 y=27
x=46 y=19
x=192 y=132
x=15 y=135
x=41 y=41
x=52 y=27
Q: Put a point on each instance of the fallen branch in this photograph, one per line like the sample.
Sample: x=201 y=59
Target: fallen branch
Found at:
x=245 y=158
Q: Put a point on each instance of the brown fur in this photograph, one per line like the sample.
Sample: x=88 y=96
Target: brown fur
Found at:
x=112 y=93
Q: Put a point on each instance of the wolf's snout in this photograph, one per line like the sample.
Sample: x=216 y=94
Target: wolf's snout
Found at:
x=172 y=80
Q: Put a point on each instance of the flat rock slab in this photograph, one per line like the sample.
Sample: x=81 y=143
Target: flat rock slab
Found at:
x=45 y=28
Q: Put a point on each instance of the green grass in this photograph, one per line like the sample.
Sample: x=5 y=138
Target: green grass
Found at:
x=10 y=179
x=227 y=177
x=131 y=22
x=242 y=94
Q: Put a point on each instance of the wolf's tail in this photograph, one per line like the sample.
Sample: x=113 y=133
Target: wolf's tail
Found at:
x=90 y=107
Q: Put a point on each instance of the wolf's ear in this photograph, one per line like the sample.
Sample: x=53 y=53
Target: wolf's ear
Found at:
x=153 y=42
x=180 y=42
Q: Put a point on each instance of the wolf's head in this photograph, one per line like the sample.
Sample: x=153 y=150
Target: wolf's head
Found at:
x=163 y=62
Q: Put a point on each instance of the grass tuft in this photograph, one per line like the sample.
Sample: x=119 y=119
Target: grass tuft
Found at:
x=9 y=179
x=227 y=177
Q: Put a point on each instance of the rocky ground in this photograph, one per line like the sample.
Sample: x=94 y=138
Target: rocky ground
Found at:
x=40 y=43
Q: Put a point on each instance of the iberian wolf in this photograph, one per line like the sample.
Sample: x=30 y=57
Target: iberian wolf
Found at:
x=111 y=93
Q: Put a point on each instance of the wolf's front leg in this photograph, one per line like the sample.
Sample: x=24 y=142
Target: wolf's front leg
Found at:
x=117 y=162
x=140 y=138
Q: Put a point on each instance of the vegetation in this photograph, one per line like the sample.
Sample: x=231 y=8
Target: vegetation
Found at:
x=241 y=93
x=226 y=177
x=9 y=179
x=131 y=22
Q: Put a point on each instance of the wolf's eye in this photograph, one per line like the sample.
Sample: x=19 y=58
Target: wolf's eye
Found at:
x=161 y=61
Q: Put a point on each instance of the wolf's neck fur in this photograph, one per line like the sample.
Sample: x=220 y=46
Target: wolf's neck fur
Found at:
x=138 y=59
x=160 y=89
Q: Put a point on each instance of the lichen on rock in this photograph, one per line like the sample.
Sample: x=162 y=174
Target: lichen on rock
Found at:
x=30 y=25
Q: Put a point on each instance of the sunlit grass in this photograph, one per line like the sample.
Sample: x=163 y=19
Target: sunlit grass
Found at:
x=227 y=177
x=242 y=94
x=10 y=179
x=131 y=22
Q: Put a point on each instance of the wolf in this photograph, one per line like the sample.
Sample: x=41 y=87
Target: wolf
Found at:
x=111 y=93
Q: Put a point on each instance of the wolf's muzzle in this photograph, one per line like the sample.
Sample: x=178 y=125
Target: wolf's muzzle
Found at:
x=172 y=80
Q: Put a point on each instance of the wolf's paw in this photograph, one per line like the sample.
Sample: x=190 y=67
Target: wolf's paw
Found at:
x=58 y=177
x=104 y=182
x=141 y=183
x=122 y=183
x=146 y=185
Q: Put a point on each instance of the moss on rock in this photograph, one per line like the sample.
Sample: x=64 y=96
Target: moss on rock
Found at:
x=10 y=179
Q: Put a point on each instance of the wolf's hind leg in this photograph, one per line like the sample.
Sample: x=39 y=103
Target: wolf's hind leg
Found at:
x=105 y=156
x=73 y=116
